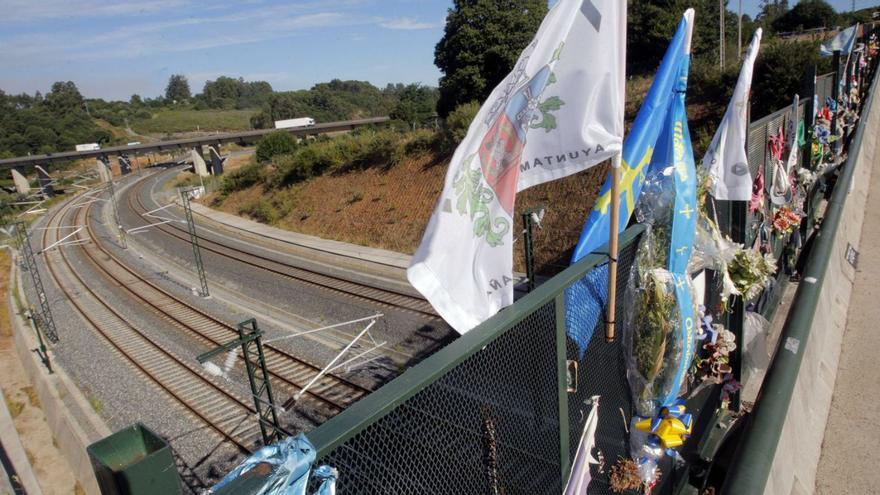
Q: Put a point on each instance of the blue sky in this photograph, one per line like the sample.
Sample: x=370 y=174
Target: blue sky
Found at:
x=113 y=49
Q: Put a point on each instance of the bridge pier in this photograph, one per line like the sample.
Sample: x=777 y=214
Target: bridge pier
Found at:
x=46 y=181
x=102 y=165
x=124 y=164
x=199 y=166
x=216 y=160
x=22 y=186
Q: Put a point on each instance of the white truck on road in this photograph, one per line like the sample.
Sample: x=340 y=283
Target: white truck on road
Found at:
x=88 y=147
x=293 y=123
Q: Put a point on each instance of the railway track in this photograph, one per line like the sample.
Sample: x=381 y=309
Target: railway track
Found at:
x=329 y=395
x=208 y=402
x=355 y=290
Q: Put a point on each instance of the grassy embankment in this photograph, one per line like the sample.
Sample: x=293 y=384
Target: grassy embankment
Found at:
x=174 y=121
x=378 y=188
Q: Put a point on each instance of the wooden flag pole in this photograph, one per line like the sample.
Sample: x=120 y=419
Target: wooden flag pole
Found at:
x=613 y=231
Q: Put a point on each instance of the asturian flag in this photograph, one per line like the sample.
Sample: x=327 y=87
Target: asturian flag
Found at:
x=559 y=112
x=726 y=161
x=585 y=300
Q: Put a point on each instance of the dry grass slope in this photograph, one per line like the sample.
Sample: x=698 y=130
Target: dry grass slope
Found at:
x=390 y=208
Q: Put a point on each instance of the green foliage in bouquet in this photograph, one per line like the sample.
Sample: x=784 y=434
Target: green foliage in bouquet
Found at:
x=656 y=315
x=750 y=270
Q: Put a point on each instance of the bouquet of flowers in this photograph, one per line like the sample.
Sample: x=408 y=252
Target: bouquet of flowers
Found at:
x=785 y=221
x=750 y=272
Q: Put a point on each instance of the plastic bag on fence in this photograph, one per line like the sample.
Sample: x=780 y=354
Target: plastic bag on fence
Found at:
x=651 y=339
x=279 y=469
x=756 y=355
x=713 y=251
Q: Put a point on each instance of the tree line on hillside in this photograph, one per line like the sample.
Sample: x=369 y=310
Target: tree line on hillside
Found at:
x=411 y=104
x=483 y=39
x=46 y=123
x=480 y=44
x=32 y=124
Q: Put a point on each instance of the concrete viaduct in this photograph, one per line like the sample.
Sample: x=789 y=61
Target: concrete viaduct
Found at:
x=41 y=162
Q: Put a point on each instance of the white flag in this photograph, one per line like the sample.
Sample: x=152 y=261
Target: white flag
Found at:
x=843 y=42
x=726 y=160
x=559 y=112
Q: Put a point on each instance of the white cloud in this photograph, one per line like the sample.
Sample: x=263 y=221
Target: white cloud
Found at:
x=175 y=35
x=407 y=23
x=29 y=10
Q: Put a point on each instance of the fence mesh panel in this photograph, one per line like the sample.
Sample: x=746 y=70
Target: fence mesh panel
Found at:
x=492 y=421
x=602 y=372
x=491 y=424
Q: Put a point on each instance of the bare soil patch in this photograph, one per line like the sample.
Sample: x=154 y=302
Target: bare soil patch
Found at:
x=50 y=467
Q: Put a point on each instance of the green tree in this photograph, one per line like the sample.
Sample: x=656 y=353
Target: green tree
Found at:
x=652 y=23
x=771 y=10
x=177 y=89
x=807 y=14
x=64 y=97
x=135 y=100
x=779 y=73
x=274 y=144
x=457 y=124
x=415 y=104
x=326 y=102
x=227 y=92
x=482 y=42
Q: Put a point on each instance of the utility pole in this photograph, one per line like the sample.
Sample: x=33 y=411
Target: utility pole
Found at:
x=194 y=239
x=43 y=320
x=739 y=32
x=721 y=33
x=250 y=341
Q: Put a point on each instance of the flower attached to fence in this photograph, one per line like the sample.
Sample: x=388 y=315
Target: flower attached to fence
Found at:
x=751 y=271
x=625 y=476
x=785 y=221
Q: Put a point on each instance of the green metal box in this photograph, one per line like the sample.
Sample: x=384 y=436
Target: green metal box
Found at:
x=134 y=461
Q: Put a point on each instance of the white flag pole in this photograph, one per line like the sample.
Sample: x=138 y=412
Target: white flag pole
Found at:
x=613 y=232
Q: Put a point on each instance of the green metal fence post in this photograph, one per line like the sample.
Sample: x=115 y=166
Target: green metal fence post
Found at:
x=528 y=245
x=738 y=210
x=562 y=387
x=809 y=94
x=835 y=95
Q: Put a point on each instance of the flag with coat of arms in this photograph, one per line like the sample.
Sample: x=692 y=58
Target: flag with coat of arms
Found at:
x=560 y=111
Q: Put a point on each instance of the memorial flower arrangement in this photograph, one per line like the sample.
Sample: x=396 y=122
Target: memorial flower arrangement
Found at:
x=785 y=221
x=625 y=476
x=750 y=272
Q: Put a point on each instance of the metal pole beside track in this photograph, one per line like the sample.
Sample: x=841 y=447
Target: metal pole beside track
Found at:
x=194 y=240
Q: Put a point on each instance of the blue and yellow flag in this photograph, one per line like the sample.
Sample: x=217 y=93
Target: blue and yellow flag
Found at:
x=680 y=153
x=586 y=299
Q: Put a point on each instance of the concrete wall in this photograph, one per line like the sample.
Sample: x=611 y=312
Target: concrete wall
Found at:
x=74 y=424
x=800 y=447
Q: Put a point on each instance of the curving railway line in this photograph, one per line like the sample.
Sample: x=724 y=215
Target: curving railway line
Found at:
x=228 y=414
x=382 y=297
x=209 y=403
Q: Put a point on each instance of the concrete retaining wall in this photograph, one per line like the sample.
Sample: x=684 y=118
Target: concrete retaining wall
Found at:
x=797 y=457
x=63 y=404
